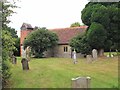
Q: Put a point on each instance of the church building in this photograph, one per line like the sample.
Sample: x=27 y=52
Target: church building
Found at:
x=62 y=50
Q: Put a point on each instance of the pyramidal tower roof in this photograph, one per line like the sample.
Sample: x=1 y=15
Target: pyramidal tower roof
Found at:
x=26 y=26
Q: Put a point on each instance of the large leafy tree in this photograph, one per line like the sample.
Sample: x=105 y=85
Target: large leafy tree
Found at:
x=80 y=44
x=7 y=39
x=7 y=48
x=14 y=35
x=102 y=20
x=96 y=36
x=12 y=31
x=105 y=14
x=17 y=45
x=40 y=40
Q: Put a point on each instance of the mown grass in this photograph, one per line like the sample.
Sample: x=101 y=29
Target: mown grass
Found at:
x=58 y=72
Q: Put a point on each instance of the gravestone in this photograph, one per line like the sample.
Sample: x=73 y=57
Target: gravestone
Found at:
x=14 y=60
x=23 y=52
x=81 y=82
x=74 y=57
x=28 y=53
x=25 y=64
x=94 y=54
x=89 y=58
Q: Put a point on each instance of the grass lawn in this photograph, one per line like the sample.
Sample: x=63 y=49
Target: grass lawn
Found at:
x=58 y=72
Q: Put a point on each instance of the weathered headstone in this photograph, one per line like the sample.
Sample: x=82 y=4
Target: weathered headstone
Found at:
x=74 y=57
x=28 y=53
x=14 y=60
x=94 y=54
x=89 y=58
x=23 y=52
x=25 y=64
x=81 y=82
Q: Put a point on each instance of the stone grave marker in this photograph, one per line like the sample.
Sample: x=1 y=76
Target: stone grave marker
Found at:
x=74 y=57
x=28 y=49
x=25 y=64
x=23 y=52
x=81 y=82
x=94 y=54
x=89 y=58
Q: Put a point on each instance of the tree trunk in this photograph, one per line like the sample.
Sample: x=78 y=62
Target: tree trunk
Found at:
x=101 y=52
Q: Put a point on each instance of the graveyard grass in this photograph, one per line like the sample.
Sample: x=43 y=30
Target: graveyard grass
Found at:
x=58 y=72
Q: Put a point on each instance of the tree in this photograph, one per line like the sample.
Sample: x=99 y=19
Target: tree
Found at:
x=107 y=15
x=7 y=48
x=40 y=40
x=13 y=32
x=75 y=42
x=76 y=24
x=80 y=44
x=7 y=12
x=17 y=45
x=102 y=20
x=96 y=36
x=7 y=40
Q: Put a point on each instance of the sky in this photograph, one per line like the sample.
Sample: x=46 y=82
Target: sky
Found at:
x=47 y=13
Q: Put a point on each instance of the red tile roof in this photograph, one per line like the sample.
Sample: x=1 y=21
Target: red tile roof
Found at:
x=66 y=34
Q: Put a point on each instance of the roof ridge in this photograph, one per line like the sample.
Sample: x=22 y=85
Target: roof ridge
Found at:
x=68 y=28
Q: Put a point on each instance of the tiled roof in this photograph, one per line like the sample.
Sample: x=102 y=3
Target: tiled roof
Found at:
x=66 y=34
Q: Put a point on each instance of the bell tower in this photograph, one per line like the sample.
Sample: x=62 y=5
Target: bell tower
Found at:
x=25 y=30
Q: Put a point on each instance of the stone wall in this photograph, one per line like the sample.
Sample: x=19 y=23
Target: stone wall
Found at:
x=58 y=51
x=48 y=53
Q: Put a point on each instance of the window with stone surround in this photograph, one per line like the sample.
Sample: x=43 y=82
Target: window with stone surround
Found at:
x=65 y=49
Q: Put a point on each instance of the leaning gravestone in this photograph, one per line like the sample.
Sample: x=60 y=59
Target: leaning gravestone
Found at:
x=94 y=54
x=89 y=58
x=81 y=82
x=25 y=65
